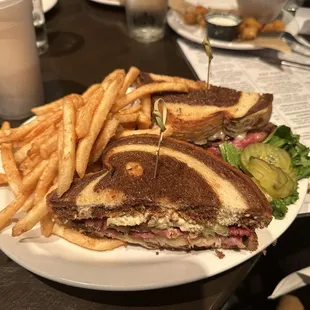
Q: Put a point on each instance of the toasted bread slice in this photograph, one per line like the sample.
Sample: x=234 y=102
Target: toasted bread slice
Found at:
x=202 y=113
x=192 y=190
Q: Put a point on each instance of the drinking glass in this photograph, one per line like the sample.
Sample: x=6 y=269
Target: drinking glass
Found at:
x=39 y=25
x=20 y=76
x=146 y=19
x=293 y=5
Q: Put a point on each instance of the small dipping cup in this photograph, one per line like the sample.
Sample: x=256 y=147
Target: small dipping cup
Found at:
x=222 y=26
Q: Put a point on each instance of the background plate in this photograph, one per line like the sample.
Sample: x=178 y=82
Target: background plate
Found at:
x=48 y=5
x=196 y=34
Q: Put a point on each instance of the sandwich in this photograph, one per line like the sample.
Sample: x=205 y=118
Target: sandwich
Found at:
x=196 y=200
x=211 y=113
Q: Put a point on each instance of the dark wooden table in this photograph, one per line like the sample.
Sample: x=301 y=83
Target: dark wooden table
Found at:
x=87 y=41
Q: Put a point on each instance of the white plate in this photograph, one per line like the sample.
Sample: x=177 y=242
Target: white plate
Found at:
x=109 y=2
x=197 y=34
x=131 y=268
x=48 y=5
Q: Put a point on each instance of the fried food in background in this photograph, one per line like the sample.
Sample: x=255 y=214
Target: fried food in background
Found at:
x=195 y=16
x=250 y=28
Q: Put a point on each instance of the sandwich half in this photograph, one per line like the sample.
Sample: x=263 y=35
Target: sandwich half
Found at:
x=196 y=201
x=207 y=114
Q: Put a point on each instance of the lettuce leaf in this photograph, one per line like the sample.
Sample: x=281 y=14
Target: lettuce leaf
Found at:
x=283 y=138
x=279 y=206
x=231 y=154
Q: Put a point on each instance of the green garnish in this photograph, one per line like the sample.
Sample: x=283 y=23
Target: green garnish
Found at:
x=279 y=206
x=283 y=138
x=231 y=154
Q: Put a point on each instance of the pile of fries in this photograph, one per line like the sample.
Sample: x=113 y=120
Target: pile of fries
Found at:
x=66 y=137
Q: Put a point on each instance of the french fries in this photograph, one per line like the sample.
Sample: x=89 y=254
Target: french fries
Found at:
x=48 y=108
x=85 y=145
x=31 y=218
x=31 y=179
x=147 y=90
x=90 y=91
x=29 y=163
x=66 y=137
x=126 y=118
x=106 y=134
x=49 y=146
x=86 y=113
x=7 y=213
x=47 y=225
x=135 y=108
x=131 y=76
x=67 y=151
x=47 y=178
x=9 y=165
x=28 y=204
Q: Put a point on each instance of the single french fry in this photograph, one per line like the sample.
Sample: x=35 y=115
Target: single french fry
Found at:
x=146 y=108
x=85 y=145
x=172 y=79
x=67 y=167
x=90 y=91
x=47 y=178
x=37 y=142
x=3 y=179
x=135 y=108
x=47 y=225
x=22 y=153
x=28 y=204
x=48 y=147
x=5 y=125
x=7 y=213
x=48 y=108
x=103 y=139
x=57 y=105
x=148 y=89
x=31 y=218
x=31 y=179
x=131 y=76
x=11 y=135
x=96 y=244
x=112 y=76
x=10 y=168
x=55 y=118
x=76 y=99
x=29 y=163
x=143 y=121
x=86 y=113
x=126 y=118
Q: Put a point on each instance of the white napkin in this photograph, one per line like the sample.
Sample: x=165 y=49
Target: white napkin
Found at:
x=303 y=19
x=291 y=283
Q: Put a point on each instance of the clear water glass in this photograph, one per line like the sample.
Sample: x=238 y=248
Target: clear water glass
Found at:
x=293 y=5
x=39 y=25
x=146 y=19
